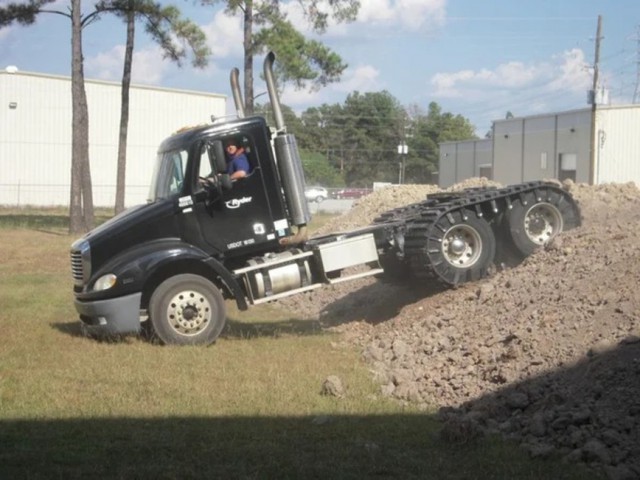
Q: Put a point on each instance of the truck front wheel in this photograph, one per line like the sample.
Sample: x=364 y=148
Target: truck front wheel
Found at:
x=187 y=310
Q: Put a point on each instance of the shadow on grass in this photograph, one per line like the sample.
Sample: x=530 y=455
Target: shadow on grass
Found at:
x=73 y=329
x=336 y=447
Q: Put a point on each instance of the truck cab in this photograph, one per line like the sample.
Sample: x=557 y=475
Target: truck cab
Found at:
x=227 y=219
x=197 y=222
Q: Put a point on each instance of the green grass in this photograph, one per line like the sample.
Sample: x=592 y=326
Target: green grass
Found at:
x=52 y=219
x=247 y=407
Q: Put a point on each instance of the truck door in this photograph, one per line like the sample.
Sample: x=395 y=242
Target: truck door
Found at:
x=238 y=219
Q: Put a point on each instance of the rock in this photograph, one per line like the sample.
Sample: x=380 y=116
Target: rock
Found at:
x=373 y=353
x=517 y=400
x=594 y=450
x=538 y=426
x=620 y=472
x=399 y=348
x=333 y=386
x=540 y=450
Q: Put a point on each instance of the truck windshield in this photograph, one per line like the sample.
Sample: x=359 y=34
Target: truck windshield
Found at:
x=168 y=175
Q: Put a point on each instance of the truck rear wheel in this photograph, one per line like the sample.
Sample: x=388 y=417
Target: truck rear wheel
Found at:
x=187 y=310
x=534 y=224
x=464 y=248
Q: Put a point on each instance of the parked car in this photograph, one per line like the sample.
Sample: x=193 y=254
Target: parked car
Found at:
x=352 y=193
x=316 y=194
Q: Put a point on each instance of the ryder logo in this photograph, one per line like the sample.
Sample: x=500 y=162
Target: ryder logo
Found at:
x=237 y=202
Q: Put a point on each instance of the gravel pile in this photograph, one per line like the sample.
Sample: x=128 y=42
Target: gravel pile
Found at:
x=547 y=353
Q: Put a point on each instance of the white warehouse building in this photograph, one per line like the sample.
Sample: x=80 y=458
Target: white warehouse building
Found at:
x=35 y=135
x=556 y=145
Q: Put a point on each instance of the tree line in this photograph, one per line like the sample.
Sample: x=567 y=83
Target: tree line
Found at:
x=371 y=137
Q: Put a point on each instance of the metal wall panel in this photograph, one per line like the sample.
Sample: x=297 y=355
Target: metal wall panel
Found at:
x=539 y=148
x=35 y=135
x=447 y=167
x=462 y=160
x=465 y=161
x=508 y=143
x=618 y=145
x=483 y=157
x=574 y=137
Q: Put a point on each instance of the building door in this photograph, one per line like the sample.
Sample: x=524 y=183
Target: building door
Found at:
x=567 y=166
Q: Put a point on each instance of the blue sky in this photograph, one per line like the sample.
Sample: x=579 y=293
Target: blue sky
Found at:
x=476 y=58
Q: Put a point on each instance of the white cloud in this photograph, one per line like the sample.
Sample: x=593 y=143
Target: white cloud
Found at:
x=574 y=74
x=224 y=35
x=106 y=65
x=5 y=32
x=412 y=14
x=148 y=66
x=563 y=72
x=363 y=78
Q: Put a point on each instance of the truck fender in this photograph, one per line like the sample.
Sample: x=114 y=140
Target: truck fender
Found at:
x=186 y=258
x=229 y=281
x=145 y=266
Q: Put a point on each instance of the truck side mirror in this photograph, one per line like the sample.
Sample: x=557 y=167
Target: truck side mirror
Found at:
x=216 y=156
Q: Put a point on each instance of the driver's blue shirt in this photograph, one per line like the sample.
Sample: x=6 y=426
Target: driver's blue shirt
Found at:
x=238 y=163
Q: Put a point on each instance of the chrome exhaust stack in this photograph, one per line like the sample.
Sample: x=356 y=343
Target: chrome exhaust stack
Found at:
x=289 y=163
x=273 y=92
x=237 y=95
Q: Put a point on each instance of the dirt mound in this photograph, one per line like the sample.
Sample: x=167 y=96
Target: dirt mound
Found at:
x=367 y=208
x=547 y=353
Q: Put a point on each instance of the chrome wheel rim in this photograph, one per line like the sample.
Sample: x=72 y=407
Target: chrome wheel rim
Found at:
x=542 y=222
x=462 y=246
x=189 y=312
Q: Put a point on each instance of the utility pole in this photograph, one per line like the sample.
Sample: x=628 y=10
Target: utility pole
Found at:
x=636 y=93
x=596 y=69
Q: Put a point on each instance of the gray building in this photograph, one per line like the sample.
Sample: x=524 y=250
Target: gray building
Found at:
x=35 y=135
x=465 y=159
x=557 y=145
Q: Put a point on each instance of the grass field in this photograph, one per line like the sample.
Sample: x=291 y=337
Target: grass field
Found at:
x=248 y=407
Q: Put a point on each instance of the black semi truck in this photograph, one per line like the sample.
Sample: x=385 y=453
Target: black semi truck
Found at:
x=170 y=264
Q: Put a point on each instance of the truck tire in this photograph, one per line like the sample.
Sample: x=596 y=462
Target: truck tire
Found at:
x=187 y=310
x=462 y=248
x=531 y=224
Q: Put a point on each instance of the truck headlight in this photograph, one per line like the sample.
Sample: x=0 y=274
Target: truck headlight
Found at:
x=105 y=282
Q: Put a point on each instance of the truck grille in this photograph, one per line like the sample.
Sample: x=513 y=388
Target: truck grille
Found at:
x=80 y=262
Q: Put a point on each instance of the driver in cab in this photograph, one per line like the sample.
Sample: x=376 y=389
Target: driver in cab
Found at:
x=237 y=162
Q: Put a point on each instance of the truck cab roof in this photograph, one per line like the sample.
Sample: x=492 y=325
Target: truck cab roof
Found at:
x=187 y=136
